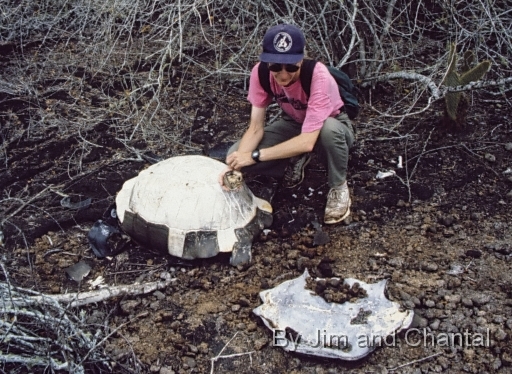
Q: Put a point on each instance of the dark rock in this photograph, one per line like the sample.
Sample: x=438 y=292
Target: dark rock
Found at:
x=325 y=269
x=480 y=299
x=474 y=253
x=244 y=302
x=419 y=322
x=447 y=220
x=429 y=266
x=321 y=238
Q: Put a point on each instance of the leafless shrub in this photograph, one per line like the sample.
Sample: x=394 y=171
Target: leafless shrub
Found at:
x=136 y=47
x=48 y=337
x=148 y=68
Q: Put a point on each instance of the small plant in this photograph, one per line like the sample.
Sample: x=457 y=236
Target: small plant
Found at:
x=456 y=103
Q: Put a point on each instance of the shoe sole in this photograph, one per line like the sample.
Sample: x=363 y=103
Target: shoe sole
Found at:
x=302 y=173
x=333 y=221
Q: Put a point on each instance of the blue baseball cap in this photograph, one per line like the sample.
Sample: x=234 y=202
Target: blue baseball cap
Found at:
x=283 y=44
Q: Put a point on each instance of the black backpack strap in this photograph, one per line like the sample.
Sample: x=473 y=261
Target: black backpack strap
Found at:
x=264 y=77
x=306 y=74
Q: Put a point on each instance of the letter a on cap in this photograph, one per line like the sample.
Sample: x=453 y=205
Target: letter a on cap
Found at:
x=282 y=42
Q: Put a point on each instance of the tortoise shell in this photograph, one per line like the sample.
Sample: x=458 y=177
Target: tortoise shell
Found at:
x=178 y=206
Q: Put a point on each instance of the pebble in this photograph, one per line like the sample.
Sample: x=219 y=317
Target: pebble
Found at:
x=480 y=299
x=334 y=282
x=508 y=147
x=496 y=364
x=498 y=319
x=450 y=306
x=467 y=302
x=430 y=303
x=244 y=302
x=409 y=304
x=166 y=370
x=192 y=348
x=475 y=216
x=455 y=299
x=129 y=306
x=155 y=305
x=507 y=358
x=203 y=348
x=490 y=157
x=235 y=308
x=444 y=362
x=453 y=283
x=260 y=343
x=447 y=220
x=469 y=354
x=420 y=322
x=435 y=325
x=509 y=323
x=448 y=233
x=159 y=295
x=251 y=327
x=500 y=334
x=395 y=262
x=189 y=361
x=481 y=321
x=448 y=327
x=474 y=253
x=401 y=204
x=429 y=266
x=429 y=313
x=165 y=276
x=416 y=301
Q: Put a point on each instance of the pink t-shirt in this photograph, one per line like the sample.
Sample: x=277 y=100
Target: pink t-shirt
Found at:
x=324 y=99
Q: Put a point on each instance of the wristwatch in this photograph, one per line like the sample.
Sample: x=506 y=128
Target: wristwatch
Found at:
x=256 y=155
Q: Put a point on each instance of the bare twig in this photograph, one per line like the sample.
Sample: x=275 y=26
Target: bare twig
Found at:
x=416 y=361
x=220 y=356
x=84 y=298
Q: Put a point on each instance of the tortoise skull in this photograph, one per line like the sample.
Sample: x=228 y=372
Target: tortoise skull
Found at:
x=233 y=180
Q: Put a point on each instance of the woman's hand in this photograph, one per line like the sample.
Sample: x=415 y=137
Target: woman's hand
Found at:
x=238 y=160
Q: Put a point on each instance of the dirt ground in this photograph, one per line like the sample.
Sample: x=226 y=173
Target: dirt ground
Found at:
x=438 y=230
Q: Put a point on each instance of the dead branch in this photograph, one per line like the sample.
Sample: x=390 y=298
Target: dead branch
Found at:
x=51 y=321
x=437 y=91
x=84 y=298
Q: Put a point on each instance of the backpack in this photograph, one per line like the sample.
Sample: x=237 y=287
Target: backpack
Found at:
x=345 y=86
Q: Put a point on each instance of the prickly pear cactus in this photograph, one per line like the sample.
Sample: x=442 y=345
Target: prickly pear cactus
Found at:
x=455 y=102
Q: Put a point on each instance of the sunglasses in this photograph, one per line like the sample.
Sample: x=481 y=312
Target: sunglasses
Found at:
x=276 y=68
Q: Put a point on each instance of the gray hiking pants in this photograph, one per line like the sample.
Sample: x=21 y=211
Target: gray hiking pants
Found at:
x=333 y=144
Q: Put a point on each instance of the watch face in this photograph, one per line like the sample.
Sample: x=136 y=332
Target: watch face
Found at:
x=256 y=155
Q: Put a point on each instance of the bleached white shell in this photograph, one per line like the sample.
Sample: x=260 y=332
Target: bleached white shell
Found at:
x=179 y=205
x=305 y=323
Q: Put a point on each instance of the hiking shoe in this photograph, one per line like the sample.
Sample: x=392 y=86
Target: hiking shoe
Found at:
x=338 y=204
x=294 y=173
